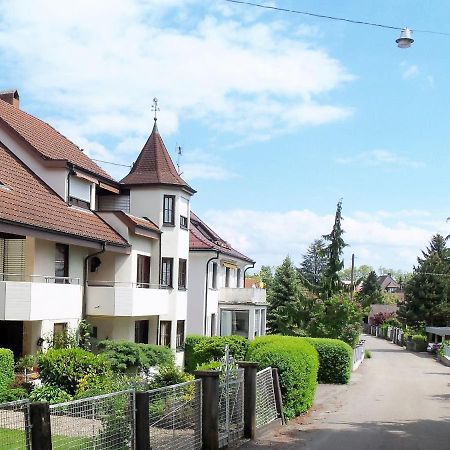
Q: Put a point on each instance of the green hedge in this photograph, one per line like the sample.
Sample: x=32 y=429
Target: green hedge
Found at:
x=125 y=356
x=297 y=362
x=6 y=369
x=66 y=368
x=335 y=360
x=200 y=350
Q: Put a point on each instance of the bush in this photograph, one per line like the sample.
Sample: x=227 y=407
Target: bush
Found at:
x=297 y=362
x=367 y=354
x=50 y=394
x=13 y=394
x=92 y=385
x=335 y=360
x=125 y=356
x=65 y=368
x=6 y=369
x=212 y=348
x=190 y=360
x=168 y=376
x=419 y=338
x=211 y=365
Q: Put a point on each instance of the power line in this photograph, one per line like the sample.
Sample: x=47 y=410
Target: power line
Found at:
x=323 y=16
x=109 y=162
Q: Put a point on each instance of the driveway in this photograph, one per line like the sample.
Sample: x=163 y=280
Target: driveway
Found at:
x=396 y=400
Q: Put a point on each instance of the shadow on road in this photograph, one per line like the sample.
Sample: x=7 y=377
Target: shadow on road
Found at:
x=415 y=435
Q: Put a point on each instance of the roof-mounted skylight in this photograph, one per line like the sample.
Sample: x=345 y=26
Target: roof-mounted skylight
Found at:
x=4 y=186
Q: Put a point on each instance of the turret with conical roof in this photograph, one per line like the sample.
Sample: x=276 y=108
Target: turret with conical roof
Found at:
x=154 y=166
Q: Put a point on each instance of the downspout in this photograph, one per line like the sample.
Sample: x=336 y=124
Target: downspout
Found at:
x=85 y=272
x=245 y=270
x=205 y=315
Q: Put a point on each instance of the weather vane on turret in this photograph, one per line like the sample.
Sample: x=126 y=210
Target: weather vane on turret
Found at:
x=155 y=108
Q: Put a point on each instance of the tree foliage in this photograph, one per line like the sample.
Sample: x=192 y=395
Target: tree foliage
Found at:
x=371 y=291
x=313 y=264
x=333 y=252
x=427 y=291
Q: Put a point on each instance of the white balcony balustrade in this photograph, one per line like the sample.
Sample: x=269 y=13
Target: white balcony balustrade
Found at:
x=39 y=297
x=242 y=296
x=124 y=299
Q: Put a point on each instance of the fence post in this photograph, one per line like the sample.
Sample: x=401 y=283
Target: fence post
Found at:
x=142 y=421
x=41 y=435
x=250 y=370
x=210 y=408
x=278 y=397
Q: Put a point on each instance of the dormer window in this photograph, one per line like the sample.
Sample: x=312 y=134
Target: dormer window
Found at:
x=169 y=210
x=79 y=192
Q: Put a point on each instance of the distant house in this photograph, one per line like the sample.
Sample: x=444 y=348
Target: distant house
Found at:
x=388 y=284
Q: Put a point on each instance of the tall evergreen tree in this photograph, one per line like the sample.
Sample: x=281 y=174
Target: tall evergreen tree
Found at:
x=313 y=264
x=371 y=291
x=427 y=293
x=284 y=303
x=333 y=252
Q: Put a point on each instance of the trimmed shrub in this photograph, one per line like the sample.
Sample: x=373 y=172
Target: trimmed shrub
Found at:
x=297 y=362
x=126 y=356
x=212 y=349
x=168 y=376
x=50 y=394
x=335 y=360
x=190 y=360
x=13 y=394
x=6 y=369
x=65 y=368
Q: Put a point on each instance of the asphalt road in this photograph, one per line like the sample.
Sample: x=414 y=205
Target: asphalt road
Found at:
x=396 y=400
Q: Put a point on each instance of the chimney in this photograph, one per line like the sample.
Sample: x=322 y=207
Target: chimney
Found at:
x=11 y=97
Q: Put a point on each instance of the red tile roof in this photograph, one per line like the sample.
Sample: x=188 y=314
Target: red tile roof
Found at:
x=26 y=200
x=46 y=140
x=154 y=165
x=202 y=237
x=138 y=221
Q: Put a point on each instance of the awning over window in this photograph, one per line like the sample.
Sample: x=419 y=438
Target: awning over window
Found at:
x=230 y=265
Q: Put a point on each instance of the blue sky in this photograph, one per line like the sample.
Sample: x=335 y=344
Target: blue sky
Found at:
x=279 y=115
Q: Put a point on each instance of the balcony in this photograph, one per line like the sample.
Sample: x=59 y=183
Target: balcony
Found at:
x=242 y=296
x=37 y=297
x=117 y=299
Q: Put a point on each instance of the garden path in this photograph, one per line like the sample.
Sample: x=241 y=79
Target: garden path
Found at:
x=396 y=400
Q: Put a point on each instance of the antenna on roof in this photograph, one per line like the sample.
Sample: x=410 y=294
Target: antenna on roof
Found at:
x=179 y=155
x=155 y=108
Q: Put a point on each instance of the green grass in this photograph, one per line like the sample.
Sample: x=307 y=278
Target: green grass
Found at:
x=15 y=440
x=367 y=354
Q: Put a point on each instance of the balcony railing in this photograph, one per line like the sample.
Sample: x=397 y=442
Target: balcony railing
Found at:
x=127 y=299
x=20 y=277
x=242 y=295
x=39 y=297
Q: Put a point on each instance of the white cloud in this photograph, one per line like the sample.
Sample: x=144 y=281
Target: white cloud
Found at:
x=380 y=157
x=270 y=236
x=97 y=66
x=409 y=71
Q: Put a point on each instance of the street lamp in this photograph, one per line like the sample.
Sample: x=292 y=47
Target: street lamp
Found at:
x=405 y=40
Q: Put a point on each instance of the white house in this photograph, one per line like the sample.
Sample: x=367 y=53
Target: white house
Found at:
x=74 y=243
x=218 y=302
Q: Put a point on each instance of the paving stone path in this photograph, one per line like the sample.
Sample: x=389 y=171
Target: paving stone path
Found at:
x=396 y=400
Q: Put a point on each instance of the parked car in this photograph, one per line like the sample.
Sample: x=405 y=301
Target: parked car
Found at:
x=433 y=347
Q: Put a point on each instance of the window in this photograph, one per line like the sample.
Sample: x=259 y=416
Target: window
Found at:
x=183 y=222
x=143 y=271
x=80 y=203
x=234 y=323
x=180 y=334
x=94 y=332
x=61 y=263
x=182 y=265
x=238 y=278
x=257 y=322
x=165 y=330
x=141 y=331
x=263 y=322
x=227 y=276
x=169 y=210
x=79 y=192
x=214 y=276
x=167 y=272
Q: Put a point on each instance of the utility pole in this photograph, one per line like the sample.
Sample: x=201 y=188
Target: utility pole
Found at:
x=351 y=276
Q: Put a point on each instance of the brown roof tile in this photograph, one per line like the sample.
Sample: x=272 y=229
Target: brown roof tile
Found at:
x=138 y=221
x=25 y=199
x=202 y=237
x=154 y=165
x=46 y=140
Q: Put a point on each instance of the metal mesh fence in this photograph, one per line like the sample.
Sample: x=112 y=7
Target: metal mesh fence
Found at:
x=266 y=407
x=105 y=422
x=175 y=417
x=15 y=425
x=231 y=408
